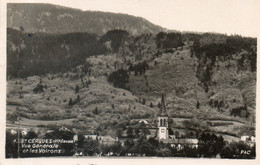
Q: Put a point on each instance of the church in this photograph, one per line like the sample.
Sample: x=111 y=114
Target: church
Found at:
x=163 y=119
x=163 y=131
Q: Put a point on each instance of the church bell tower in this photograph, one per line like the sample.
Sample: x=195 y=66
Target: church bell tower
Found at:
x=163 y=132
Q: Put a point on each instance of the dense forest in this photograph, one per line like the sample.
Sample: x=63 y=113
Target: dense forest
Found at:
x=37 y=54
x=40 y=53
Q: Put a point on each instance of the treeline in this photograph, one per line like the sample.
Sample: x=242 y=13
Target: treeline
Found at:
x=40 y=53
x=232 y=45
x=240 y=111
x=217 y=45
x=139 y=68
x=168 y=40
x=116 y=37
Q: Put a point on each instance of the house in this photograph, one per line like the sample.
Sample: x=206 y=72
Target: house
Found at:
x=250 y=140
x=143 y=121
x=92 y=137
x=75 y=138
x=247 y=138
x=49 y=131
x=13 y=132
x=181 y=143
x=107 y=140
x=65 y=129
x=172 y=136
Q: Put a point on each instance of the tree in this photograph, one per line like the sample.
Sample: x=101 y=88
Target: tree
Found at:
x=155 y=63
x=235 y=150
x=31 y=135
x=116 y=147
x=96 y=111
x=128 y=145
x=198 y=105
x=70 y=102
x=11 y=146
x=77 y=89
x=130 y=132
x=90 y=147
x=38 y=88
x=188 y=152
x=159 y=105
x=144 y=101
x=142 y=146
x=210 y=145
x=78 y=99
x=137 y=131
x=119 y=78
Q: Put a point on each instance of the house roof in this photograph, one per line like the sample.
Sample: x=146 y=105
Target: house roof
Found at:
x=90 y=136
x=180 y=141
x=100 y=138
x=106 y=138
x=63 y=128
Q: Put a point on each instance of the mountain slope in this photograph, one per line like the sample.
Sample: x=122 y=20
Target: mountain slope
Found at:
x=57 y=19
x=102 y=107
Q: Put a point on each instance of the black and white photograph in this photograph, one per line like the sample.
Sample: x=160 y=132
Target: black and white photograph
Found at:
x=125 y=79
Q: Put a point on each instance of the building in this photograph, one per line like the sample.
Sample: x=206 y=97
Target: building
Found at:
x=13 y=132
x=250 y=140
x=143 y=121
x=247 y=138
x=181 y=143
x=65 y=129
x=163 y=130
x=106 y=140
x=92 y=137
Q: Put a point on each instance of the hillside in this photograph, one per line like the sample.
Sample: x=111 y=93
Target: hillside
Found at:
x=100 y=104
x=48 y=18
x=105 y=93
x=101 y=73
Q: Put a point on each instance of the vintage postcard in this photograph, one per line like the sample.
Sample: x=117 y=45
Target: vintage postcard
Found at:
x=102 y=82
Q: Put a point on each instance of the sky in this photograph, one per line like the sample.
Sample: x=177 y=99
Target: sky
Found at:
x=222 y=16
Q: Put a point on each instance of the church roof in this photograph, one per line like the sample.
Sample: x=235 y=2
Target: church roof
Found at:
x=163 y=107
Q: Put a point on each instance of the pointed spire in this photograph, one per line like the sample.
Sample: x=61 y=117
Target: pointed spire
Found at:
x=163 y=107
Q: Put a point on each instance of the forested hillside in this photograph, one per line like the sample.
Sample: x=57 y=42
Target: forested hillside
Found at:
x=104 y=83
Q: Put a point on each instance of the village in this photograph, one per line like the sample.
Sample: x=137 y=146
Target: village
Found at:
x=142 y=140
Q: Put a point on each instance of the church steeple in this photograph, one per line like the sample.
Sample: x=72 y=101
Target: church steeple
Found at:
x=163 y=107
x=163 y=121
